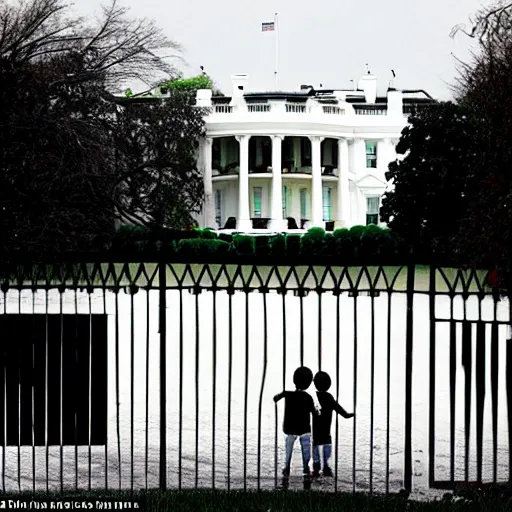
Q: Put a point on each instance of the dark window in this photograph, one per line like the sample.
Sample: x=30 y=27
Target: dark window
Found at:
x=42 y=354
x=372 y=210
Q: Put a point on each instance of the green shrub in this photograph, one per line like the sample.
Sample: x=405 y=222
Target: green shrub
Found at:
x=315 y=233
x=278 y=246
x=207 y=233
x=293 y=246
x=226 y=237
x=244 y=245
x=329 y=246
x=313 y=243
x=345 y=247
x=262 y=246
x=340 y=233
x=357 y=231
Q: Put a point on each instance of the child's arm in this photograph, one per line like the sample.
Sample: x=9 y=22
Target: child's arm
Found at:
x=279 y=396
x=337 y=407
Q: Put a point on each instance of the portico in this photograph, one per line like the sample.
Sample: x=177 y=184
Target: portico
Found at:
x=285 y=192
x=281 y=161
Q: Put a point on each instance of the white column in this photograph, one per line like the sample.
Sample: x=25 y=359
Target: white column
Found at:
x=209 y=221
x=277 y=222
x=343 y=193
x=316 y=187
x=244 y=218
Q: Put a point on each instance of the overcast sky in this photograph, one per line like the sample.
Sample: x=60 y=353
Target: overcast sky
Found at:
x=320 y=42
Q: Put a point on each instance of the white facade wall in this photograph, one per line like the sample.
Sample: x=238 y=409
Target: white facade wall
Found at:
x=341 y=129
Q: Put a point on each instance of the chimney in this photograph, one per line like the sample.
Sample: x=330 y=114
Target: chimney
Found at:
x=395 y=102
x=204 y=98
x=368 y=84
x=240 y=84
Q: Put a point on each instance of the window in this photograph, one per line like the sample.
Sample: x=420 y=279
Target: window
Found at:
x=285 y=202
x=218 y=207
x=257 y=193
x=372 y=210
x=327 y=203
x=371 y=154
x=303 y=203
x=42 y=355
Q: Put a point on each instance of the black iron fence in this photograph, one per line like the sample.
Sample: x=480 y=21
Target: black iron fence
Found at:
x=162 y=375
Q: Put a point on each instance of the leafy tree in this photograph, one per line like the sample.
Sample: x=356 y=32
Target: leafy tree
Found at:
x=431 y=193
x=74 y=159
x=485 y=86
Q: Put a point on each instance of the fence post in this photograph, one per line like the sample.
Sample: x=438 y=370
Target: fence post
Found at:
x=162 y=287
x=408 y=378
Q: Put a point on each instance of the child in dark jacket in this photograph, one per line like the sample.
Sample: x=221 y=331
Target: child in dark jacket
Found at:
x=298 y=408
x=322 y=423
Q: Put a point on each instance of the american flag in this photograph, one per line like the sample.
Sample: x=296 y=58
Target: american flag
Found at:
x=268 y=26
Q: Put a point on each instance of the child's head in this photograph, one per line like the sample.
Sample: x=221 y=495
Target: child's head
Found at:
x=322 y=381
x=302 y=378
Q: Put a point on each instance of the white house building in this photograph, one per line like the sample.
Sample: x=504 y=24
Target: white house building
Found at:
x=279 y=161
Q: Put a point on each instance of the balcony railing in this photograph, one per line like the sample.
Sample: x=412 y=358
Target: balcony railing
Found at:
x=328 y=109
x=380 y=111
x=258 y=108
x=295 y=108
x=223 y=109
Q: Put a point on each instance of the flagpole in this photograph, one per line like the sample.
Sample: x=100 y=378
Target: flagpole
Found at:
x=277 y=50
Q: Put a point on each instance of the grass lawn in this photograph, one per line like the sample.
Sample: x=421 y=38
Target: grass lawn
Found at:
x=273 y=501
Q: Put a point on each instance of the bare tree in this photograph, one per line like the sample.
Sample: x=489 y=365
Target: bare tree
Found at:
x=73 y=158
x=116 y=47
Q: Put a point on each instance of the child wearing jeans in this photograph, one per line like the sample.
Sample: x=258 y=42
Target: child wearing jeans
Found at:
x=322 y=423
x=298 y=408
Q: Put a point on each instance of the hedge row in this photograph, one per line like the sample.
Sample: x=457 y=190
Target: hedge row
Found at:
x=357 y=245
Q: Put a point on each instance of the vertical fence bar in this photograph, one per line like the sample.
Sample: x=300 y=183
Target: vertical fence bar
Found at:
x=46 y=362
x=197 y=291
x=338 y=335
x=301 y=303
x=494 y=394
x=19 y=400
x=104 y=297
x=354 y=442
x=230 y=292
x=89 y=391
x=162 y=313
x=432 y=376
x=372 y=382
x=132 y=382
x=75 y=378
x=283 y=295
x=146 y=420
x=467 y=365
x=180 y=398
x=246 y=384
x=260 y=407
x=453 y=374
x=118 y=402
x=320 y=329
x=408 y=378
x=388 y=387
x=4 y=352
x=32 y=392
x=214 y=383
x=61 y=370
x=480 y=395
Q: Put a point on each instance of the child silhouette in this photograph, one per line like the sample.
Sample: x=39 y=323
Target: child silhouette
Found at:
x=298 y=408
x=322 y=423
